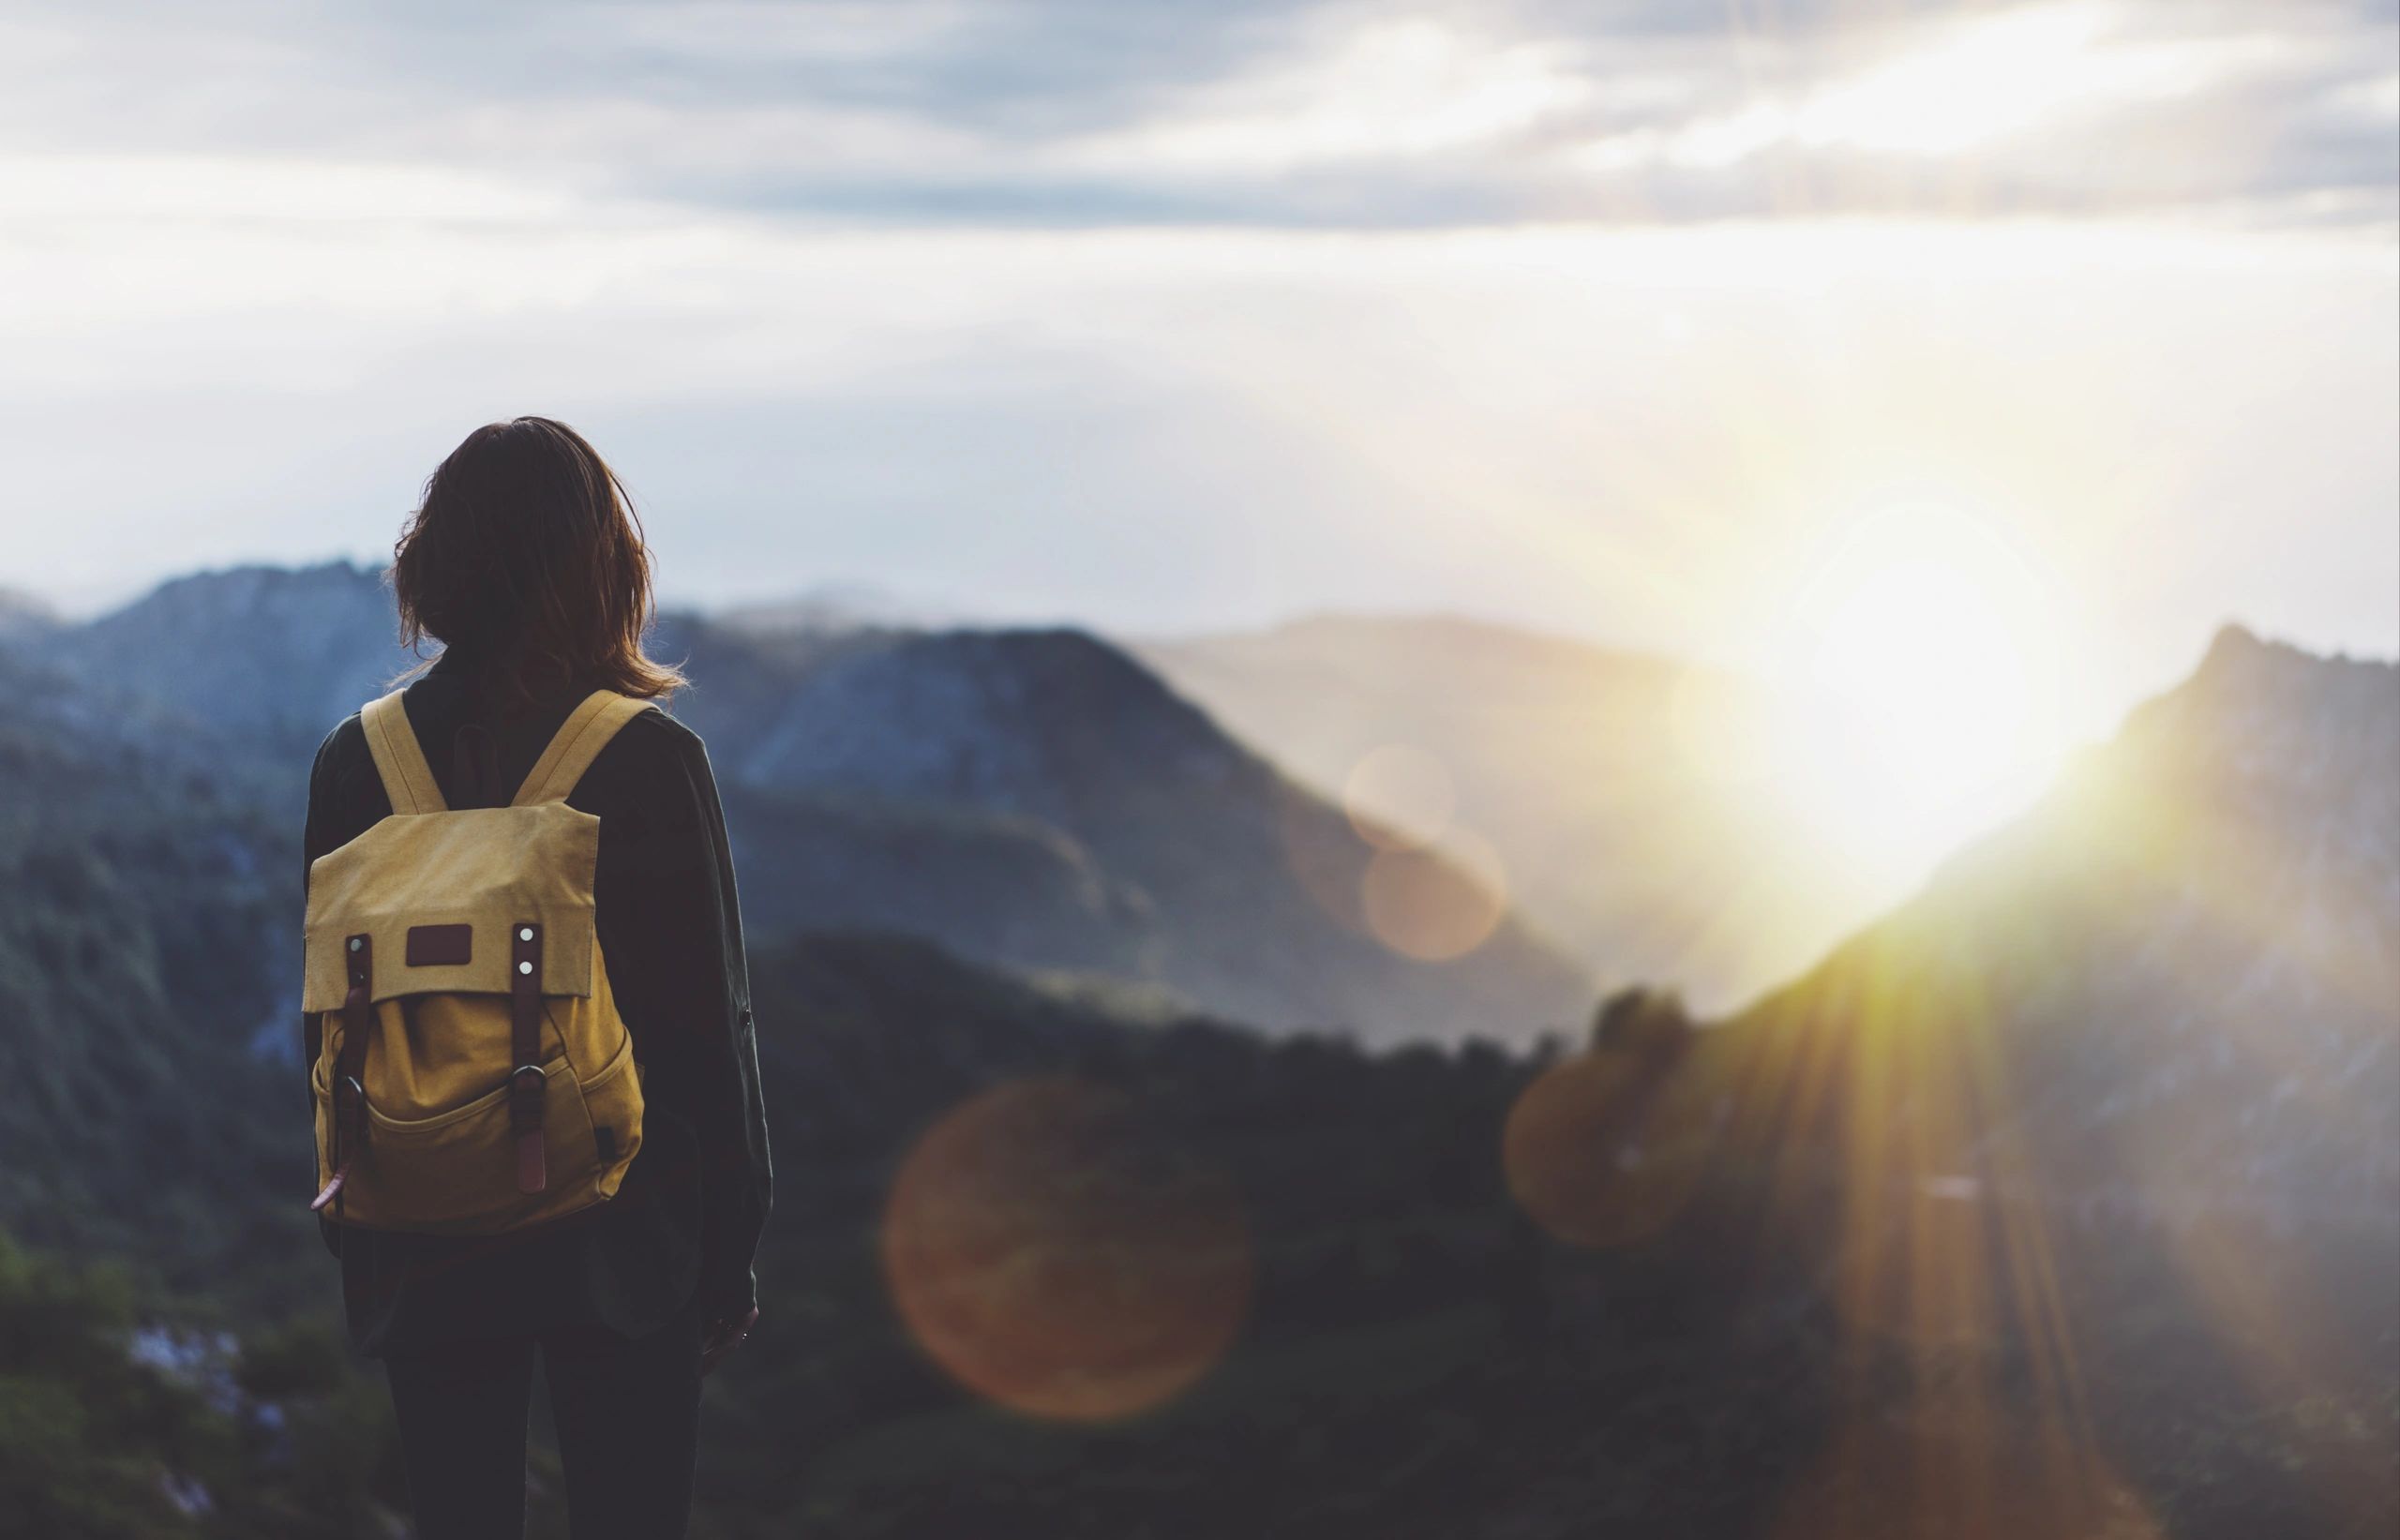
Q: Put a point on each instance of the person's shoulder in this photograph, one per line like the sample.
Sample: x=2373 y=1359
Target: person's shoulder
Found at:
x=342 y=745
x=345 y=793
x=653 y=776
x=655 y=742
x=663 y=730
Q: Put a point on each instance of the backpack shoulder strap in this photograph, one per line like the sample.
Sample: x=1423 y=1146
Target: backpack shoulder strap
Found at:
x=579 y=742
x=408 y=780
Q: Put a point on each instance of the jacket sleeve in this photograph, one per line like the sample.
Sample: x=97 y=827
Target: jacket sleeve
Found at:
x=670 y=928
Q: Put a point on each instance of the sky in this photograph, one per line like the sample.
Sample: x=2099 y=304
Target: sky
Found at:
x=1628 y=321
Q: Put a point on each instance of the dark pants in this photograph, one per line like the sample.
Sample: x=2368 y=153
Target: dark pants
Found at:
x=627 y=1411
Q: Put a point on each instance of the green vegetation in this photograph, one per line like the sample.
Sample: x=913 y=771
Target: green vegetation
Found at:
x=2135 y=1204
x=113 y=1427
x=149 y=1112
x=1417 y=1358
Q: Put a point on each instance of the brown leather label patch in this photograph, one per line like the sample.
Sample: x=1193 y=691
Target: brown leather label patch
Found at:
x=437 y=946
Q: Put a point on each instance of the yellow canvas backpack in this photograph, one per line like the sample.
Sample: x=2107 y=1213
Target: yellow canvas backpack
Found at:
x=474 y=1076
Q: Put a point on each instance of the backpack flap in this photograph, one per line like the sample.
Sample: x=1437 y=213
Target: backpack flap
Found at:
x=437 y=889
x=437 y=897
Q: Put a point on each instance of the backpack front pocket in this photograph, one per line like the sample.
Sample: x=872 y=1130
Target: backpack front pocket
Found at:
x=612 y=1101
x=456 y=1170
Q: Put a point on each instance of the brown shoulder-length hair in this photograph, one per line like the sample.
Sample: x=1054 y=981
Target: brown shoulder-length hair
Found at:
x=526 y=553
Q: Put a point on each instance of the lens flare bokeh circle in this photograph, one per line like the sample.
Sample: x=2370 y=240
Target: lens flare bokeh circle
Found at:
x=1054 y=1252
x=1605 y=1148
x=1438 y=903
x=1398 y=797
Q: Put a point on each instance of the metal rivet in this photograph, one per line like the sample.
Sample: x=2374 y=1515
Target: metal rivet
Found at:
x=355 y=943
x=525 y=968
x=525 y=935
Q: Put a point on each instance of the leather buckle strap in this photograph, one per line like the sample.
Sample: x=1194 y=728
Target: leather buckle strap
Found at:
x=357 y=1006
x=528 y=1087
x=350 y=1069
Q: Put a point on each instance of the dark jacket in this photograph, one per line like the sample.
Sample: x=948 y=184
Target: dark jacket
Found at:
x=688 y=1214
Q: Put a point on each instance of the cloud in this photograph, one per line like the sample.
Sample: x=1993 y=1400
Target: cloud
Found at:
x=1180 y=316
x=1078 y=113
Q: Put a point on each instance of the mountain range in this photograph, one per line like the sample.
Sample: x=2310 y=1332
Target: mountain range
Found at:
x=1600 y=778
x=1036 y=800
x=2180 y=969
x=2110 y=1104
x=2087 y=1146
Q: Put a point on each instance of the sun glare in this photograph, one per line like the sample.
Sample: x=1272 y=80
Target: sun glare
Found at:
x=1996 y=76
x=1919 y=691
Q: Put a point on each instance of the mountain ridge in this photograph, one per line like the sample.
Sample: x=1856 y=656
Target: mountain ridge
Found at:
x=2218 y=884
x=1034 y=797
x=1589 y=771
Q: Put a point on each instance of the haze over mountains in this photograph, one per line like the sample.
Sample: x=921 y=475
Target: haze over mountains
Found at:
x=2173 y=984
x=2121 y=1087
x=1589 y=771
x=1030 y=799
x=1038 y=799
x=2220 y=885
x=23 y=615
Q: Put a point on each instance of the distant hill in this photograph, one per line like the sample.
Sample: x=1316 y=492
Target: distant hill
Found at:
x=1037 y=798
x=2178 y=975
x=22 y=616
x=1588 y=770
x=2118 y=1088
x=270 y=657
x=1031 y=799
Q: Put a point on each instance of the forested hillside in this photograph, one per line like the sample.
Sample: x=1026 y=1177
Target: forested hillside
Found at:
x=1287 y=1288
x=146 y=909
x=2060 y=1204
